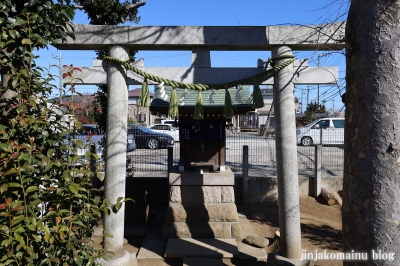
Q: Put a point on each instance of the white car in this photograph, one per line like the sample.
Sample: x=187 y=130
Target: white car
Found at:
x=167 y=129
x=330 y=129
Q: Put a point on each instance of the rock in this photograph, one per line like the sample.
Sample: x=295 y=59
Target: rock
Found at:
x=258 y=216
x=256 y=241
x=97 y=231
x=241 y=215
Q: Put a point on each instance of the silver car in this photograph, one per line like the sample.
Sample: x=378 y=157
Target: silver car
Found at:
x=167 y=129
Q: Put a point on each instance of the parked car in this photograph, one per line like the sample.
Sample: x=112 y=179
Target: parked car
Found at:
x=147 y=138
x=94 y=130
x=91 y=134
x=90 y=129
x=330 y=129
x=167 y=129
x=170 y=122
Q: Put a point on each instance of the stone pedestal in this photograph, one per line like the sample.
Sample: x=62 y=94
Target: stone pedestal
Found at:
x=202 y=205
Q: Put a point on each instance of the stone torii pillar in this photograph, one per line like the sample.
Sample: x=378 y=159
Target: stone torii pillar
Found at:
x=115 y=176
x=286 y=158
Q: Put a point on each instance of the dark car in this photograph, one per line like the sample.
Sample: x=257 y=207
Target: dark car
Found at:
x=147 y=138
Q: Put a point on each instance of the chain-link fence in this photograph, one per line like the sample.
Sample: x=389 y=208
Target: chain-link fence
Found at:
x=261 y=157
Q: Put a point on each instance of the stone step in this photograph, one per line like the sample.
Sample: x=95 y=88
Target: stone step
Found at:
x=202 y=247
x=202 y=230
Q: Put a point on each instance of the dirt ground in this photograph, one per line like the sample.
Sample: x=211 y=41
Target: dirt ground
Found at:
x=321 y=225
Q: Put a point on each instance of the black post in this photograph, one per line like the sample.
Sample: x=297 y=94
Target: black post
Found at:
x=245 y=174
x=170 y=159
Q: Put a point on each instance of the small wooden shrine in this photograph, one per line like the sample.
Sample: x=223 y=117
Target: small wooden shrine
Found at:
x=202 y=198
x=202 y=141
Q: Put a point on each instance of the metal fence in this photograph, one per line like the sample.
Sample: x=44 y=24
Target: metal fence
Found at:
x=261 y=158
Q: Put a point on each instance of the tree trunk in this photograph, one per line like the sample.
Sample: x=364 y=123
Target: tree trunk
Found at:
x=371 y=190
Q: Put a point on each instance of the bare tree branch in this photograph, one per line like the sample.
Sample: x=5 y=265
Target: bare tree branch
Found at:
x=137 y=5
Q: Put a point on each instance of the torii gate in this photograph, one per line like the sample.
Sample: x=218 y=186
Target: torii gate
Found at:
x=281 y=40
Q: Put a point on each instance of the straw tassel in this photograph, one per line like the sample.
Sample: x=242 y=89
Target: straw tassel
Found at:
x=144 y=98
x=258 y=101
x=198 y=110
x=228 y=109
x=173 y=105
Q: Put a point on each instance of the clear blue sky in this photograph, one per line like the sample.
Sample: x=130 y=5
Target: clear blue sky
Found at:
x=226 y=13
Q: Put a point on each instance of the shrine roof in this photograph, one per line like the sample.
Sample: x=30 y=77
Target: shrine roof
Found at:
x=242 y=100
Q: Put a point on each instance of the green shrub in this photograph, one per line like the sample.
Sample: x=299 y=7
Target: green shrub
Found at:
x=47 y=206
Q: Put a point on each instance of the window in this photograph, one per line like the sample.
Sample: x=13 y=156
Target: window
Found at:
x=323 y=124
x=339 y=123
x=142 y=118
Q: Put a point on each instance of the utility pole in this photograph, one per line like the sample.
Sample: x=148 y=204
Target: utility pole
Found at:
x=301 y=101
x=319 y=57
x=59 y=58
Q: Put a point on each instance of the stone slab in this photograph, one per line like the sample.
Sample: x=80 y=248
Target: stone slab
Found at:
x=257 y=38
x=195 y=194
x=250 y=253
x=278 y=260
x=188 y=178
x=197 y=230
x=123 y=258
x=211 y=248
x=202 y=262
x=152 y=248
x=310 y=75
x=206 y=212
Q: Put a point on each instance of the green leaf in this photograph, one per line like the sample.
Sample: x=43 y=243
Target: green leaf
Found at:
x=26 y=41
x=100 y=176
x=78 y=261
x=31 y=188
x=50 y=152
x=7 y=242
x=74 y=188
x=14 y=185
x=34 y=203
x=16 y=220
x=117 y=207
x=79 y=143
x=3 y=188
x=11 y=172
x=13 y=33
x=4 y=146
x=20 y=21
